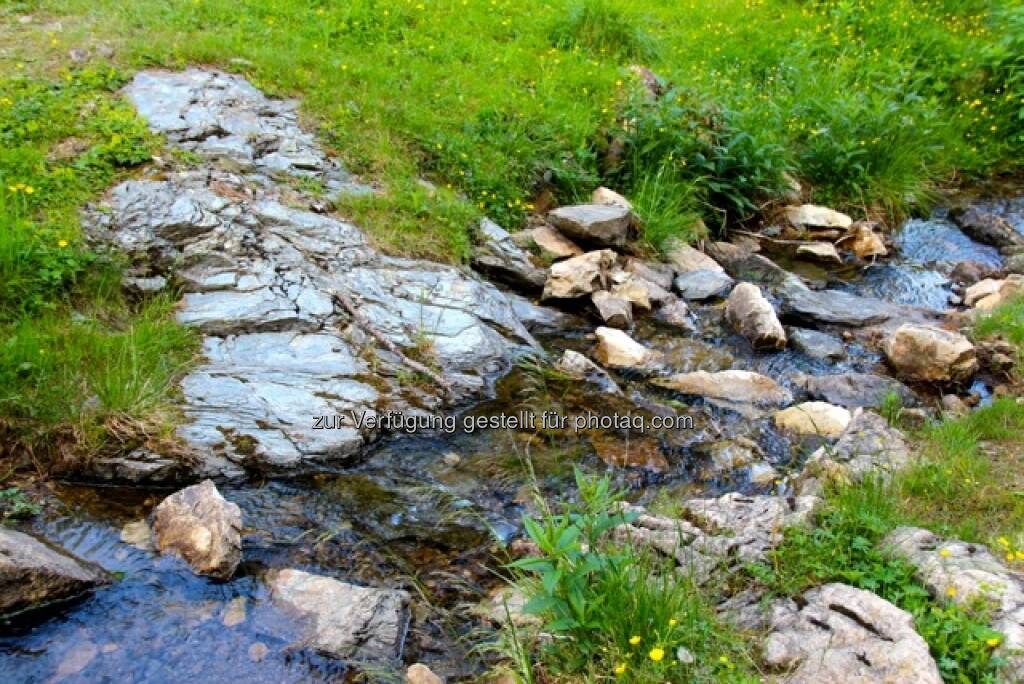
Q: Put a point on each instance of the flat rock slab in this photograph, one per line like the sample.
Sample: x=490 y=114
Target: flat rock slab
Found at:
x=855 y=389
x=34 y=574
x=702 y=284
x=345 y=621
x=599 y=224
x=259 y=278
x=869 y=445
x=843 y=634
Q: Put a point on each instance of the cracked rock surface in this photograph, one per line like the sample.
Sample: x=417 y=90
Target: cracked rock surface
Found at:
x=259 y=273
x=843 y=634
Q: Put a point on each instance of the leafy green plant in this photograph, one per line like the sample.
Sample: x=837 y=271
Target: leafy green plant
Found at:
x=613 y=610
x=15 y=505
x=891 y=408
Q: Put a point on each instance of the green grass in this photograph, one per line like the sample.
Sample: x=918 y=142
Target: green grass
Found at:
x=613 y=611
x=82 y=368
x=1005 y=321
x=871 y=104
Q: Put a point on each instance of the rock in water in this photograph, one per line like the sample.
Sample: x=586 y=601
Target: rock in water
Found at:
x=34 y=574
x=199 y=525
x=865 y=242
x=729 y=385
x=816 y=344
x=833 y=306
x=813 y=216
x=499 y=257
x=346 y=621
x=580 y=367
x=702 y=284
x=855 y=389
x=753 y=317
x=813 y=418
x=614 y=311
x=616 y=349
x=600 y=224
x=580 y=275
x=988 y=228
x=843 y=634
x=925 y=353
x=260 y=277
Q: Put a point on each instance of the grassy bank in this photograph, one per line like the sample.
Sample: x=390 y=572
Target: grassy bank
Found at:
x=83 y=369
x=512 y=104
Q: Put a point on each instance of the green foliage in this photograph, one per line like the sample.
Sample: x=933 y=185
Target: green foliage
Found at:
x=843 y=547
x=614 y=610
x=15 y=505
x=891 y=408
x=603 y=28
x=1006 y=321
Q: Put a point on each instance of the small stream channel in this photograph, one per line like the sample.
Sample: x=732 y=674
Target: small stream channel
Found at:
x=426 y=513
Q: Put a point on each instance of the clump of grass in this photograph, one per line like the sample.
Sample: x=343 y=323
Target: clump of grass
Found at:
x=611 y=610
x=666 y=207
x=602 y=27
x=1006 y=321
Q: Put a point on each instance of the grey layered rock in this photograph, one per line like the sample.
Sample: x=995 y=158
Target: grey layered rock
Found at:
x=718 y=534
x=614 y=311
x=930 y=354
x=580 y=367
x=833 y=306
x=139 y=466
x=201 y=527
x=685 y=258
x=965 y=573
x=652 y=271
x=817 y=345
x=600 y=224
x=1015 y=264
x=869 y=445
x=843 y=634
x=989 y=228
x=260 y=280
x=500 y=258
x=580 y=276
x=34 y=574
x=855 y=389
x=344 y=620
x=754 y=317
x=702 y=284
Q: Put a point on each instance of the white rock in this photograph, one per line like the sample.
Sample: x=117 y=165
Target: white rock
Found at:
x=813 y=216
x=754 y=317
x=929 y=354
x=820 y=251
x=616 y=349
x=732 y=385
x=579 y=276
x=813 y=418
x=200 y=526
x=604 y=195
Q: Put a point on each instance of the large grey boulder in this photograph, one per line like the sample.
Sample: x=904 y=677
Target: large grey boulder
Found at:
x=272 y=286
x=344 y=620
x=606 y=225
x=34 y=574
x=816 y=344
x=833 y=306
x=500 y=258
x=868 y=446
x=929 y=354
x=842 y=634
x=968 y=574
x=754 y=317
x=201 y=527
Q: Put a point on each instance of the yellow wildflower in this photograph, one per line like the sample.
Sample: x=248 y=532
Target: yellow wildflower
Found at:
x=1019 y=555
x=951 y=592
x=620 y=669
x=945 y=553
x=1003 y=541
x=634 y=640
x=993 y=642
x=673 y=622
x=656 y=654
x=62 y=243
x=29 y=190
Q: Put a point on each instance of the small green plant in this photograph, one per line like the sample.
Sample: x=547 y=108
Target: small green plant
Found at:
x=891 y=408
x=15 y=505
x=613 y=610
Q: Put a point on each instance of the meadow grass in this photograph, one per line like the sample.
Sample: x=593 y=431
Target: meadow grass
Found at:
x=76 y=355
x=507 y=103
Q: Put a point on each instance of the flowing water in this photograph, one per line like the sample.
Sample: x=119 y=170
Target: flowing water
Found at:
x=427 y=513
